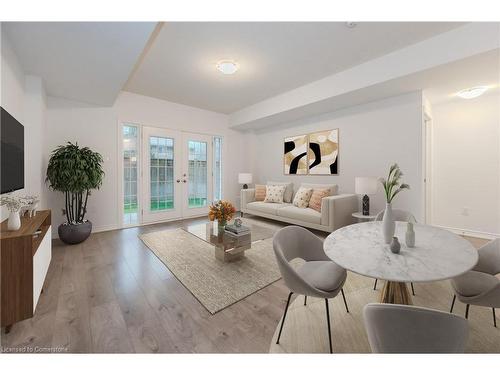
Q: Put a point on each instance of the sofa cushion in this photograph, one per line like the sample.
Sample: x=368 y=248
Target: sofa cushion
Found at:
x=334 y=189
x=274 y=193
x=260 y=192
x=316 y=198
x=267 y=208
x=303 y=214
x=302 y=197
x=323 y=275
x=287 y=197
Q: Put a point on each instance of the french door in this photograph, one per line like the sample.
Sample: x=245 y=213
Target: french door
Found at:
x=162 y=158
x=197 y=174
x=176 y=174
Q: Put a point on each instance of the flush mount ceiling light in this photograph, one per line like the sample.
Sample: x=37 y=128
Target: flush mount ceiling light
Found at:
x=227 y=67
x=351 y=25
x=472 y=92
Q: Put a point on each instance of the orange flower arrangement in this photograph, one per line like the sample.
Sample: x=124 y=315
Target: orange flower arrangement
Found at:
x=222 y=211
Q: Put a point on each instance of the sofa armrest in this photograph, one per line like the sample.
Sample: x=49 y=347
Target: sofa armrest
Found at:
x=337 y=210
x=247 y=196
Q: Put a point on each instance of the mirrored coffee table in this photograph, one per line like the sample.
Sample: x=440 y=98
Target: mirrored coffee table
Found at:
x=229 y=247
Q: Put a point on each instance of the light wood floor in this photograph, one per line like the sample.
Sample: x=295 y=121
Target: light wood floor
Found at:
x=111 y=294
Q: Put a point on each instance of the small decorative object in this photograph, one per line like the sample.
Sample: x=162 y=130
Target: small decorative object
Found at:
x=364 y=186
x=238 y=222
x=222 y=211
x=245 y=179
x=395 y=245
x=391 y=188
x=14 y=205
x=410 y=235
x=32 y=204
x=75 y=171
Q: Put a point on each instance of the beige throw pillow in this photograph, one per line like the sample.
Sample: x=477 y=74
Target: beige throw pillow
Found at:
x=260 y=192
x=274 y=194
x=287 y=197
x=316 y=197
x=302 y=197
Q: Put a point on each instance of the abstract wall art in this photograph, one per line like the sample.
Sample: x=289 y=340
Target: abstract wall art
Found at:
x=323 y=152
x=295 y=155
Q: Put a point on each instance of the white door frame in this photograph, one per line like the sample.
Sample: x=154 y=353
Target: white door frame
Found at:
x=427 y=167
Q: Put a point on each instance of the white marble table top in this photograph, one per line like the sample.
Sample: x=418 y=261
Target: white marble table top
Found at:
x=438 y=254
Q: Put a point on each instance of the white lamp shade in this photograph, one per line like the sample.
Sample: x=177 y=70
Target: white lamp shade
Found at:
x=365 y=185
x=245 y=178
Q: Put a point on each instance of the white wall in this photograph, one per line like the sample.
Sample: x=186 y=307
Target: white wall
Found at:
x=371 y=138
x=24 y=98
x=97 y=128
x=466 y=164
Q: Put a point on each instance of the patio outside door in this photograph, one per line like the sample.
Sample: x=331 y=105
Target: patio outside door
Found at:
x=162 y=158
x=197 y=174
x=177 y=174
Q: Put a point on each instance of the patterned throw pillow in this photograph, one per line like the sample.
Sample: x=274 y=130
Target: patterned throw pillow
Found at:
x=260 y=192
x=316 y=197
x=274 y=194
x=302 y=197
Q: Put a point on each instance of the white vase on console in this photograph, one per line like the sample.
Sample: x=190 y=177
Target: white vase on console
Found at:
x=14 y=222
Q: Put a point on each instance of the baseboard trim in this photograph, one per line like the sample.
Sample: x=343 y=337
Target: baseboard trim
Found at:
x=471 y=233
x=107 y=228
x=103 y=228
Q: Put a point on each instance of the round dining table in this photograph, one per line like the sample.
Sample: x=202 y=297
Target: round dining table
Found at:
x=438 y=254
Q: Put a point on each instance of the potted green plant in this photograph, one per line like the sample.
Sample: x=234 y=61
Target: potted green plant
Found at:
x=75 y=171
x=392 y=187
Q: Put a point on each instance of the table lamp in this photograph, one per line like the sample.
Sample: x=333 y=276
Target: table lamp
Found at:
x=245 y=179
x=364 y=186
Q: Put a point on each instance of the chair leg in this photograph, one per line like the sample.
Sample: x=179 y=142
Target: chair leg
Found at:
x=494 y=318
x=305 y=300
x=412 y=290
x=345 y=302
x=453 y=303
x=328 y=321
x=375 y=285
x=284 y=316
x=467 y=311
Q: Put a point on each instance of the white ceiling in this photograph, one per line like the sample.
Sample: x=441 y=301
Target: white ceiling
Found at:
x=84 y=61
x=439 y=84
x=274 y=57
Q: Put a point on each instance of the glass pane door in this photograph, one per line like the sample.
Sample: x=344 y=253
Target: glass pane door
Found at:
x=130 y=137
x=162 y=192
x=197 y=177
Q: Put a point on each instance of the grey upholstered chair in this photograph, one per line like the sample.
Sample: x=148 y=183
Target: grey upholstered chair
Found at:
x=317 y=277
x=409 y=329
x=480 y=286
x=399 y=215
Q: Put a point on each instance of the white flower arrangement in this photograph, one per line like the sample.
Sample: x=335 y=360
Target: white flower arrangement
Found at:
x=15 y=203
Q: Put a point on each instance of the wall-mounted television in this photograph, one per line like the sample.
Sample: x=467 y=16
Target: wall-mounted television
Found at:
x=11 y=152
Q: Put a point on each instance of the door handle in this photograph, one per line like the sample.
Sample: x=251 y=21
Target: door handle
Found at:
x=184 y=180
x=178 y=180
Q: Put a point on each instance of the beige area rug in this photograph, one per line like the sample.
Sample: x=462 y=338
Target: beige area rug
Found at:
x=214 y=283
x=305 y=328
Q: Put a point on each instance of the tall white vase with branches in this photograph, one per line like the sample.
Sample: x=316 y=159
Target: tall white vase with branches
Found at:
x=391 y=188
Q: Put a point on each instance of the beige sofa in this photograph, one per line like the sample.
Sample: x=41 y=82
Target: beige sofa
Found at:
x=336 y=210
